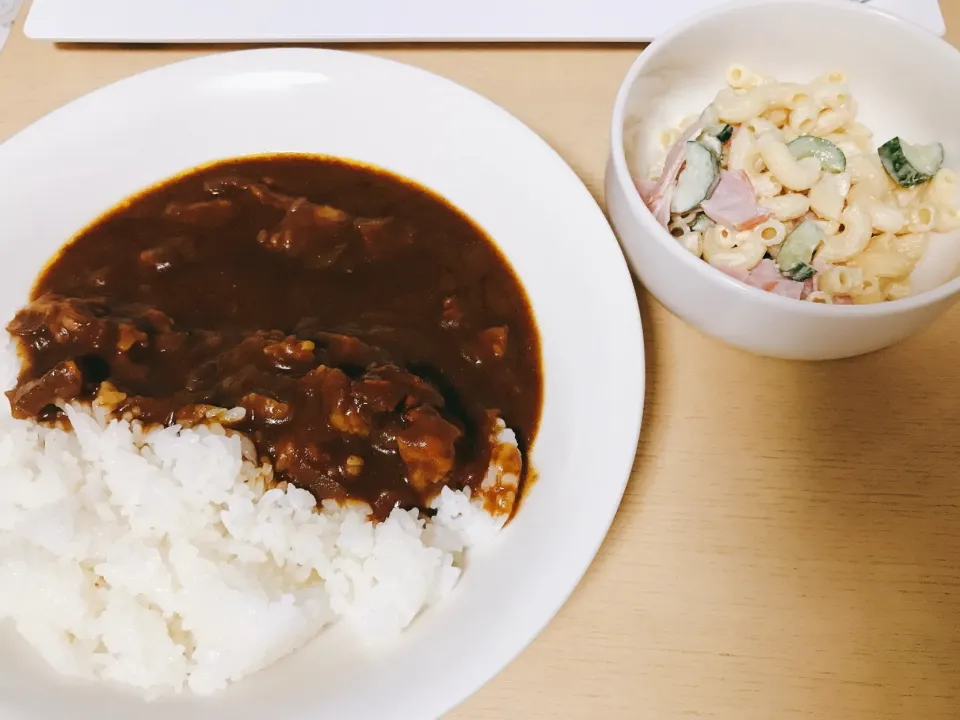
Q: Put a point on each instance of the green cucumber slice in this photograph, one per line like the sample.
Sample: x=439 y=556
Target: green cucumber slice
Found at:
x=799 y=247
x=700 y=171
x=701 y=223
x=800 y=272
x=715 y=136
x=910 y=165
x=722 y=132
x=830 y=156
x=711 y=143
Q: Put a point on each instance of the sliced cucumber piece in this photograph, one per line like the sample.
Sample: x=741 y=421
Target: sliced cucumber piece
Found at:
x=721 y=132
x=799 y=247
x=910 y=165
x=701 y=222
x=711 y=143
x=800 y=272
x=700 y=171
x=830 y=156
x=715 y=136
x=925 y=158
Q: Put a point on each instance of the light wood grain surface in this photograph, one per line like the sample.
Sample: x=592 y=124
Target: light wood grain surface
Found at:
x=789 y=544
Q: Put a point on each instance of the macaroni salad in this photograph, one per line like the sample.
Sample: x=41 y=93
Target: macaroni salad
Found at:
x=778 y=185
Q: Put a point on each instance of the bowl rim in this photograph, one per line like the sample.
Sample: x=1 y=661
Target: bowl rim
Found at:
x=709 y=273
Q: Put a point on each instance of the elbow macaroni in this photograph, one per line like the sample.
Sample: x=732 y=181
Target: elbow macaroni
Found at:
x=788 y=171
x=885 y=218
x=829 y=195
x=736 y=251
x=841 y=280
x=942 y=190
x=765 y=185
x=790 y=206
x=691 y=241
x=803 y=118
x=851 y=240
x=948 y=220
x=874 y=231
x=923 y=219
x=743 y=154
x=772 y=233
x=741 y=78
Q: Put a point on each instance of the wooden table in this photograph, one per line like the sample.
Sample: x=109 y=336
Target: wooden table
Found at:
x=789 y=544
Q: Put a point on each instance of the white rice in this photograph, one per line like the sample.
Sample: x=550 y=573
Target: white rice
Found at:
x=158 y=561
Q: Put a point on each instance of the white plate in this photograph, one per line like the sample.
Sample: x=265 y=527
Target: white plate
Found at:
x=72 y=165
x=384 y=20
x=8 y=13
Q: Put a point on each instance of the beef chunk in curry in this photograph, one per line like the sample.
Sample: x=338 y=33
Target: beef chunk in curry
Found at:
x=363 y=333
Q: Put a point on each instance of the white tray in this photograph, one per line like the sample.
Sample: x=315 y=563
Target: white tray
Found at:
x=383 y=20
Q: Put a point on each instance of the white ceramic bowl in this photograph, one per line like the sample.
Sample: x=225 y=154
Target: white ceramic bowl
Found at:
x=906 y=82
x=62 y=172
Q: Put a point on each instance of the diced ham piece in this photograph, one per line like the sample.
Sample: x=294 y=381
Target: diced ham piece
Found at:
x=646 y=188
x=734 y=202
x=809 y=286
x=736 y=273
x=661 y=206
x=659 y=197
x=766 y=276
x=675 y=156
x=788 y=289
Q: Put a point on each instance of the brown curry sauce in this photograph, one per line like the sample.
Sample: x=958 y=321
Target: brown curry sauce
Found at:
x=371 y=331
